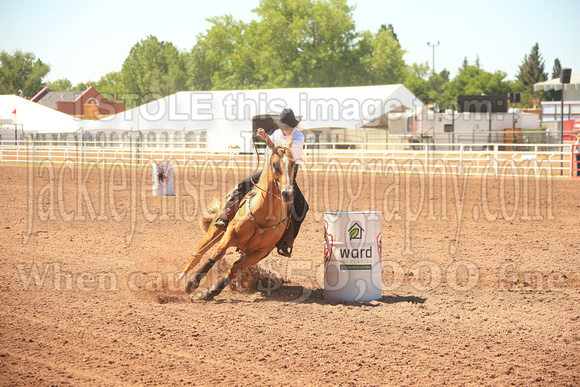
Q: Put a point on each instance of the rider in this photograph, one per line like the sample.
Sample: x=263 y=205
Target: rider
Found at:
x=287 y=123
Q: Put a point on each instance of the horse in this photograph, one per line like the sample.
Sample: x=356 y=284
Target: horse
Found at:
x=258 y=225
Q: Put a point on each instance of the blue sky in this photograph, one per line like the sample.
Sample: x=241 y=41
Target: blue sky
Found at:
x=99 y=35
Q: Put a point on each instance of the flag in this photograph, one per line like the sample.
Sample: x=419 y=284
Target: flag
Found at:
x=14 y=112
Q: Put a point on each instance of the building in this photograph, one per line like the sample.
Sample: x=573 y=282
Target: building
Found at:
x=88 y=104
x=551 y=110
x=551 y=115
x=452 y=127
x=219 y=120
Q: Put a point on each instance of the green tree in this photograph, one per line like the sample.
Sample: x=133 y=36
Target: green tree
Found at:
x=306 y=43
x=464 y=64
x=392 y=29
x=555 y=95
x=437 y=83
x=476 y=81
x=428 y=87
x=110 y=86
x=557 y=69
x=444 y=74
x=21 y=71
x=152 y=70
x=81 y=86
x=383 y=63
x=417 y=81
x=531 y=71
x=224 y=57
x=62 y=84
x=295 y=43
x=199 y=70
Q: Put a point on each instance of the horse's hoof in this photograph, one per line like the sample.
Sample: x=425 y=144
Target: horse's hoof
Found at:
x=203 y=296
x=191 y=285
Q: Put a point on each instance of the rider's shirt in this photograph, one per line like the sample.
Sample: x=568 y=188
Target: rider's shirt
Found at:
x=297 y=143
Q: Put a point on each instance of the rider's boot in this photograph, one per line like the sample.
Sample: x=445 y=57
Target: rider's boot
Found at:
x=286 y=243
x=230 y=209
x=285 y=249
x=224 y=218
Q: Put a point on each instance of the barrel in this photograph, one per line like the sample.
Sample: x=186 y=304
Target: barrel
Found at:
x=352 y=262
x=163 y=179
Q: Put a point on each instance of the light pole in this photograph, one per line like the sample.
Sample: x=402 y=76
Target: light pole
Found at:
x=433 y=46
x=565 y=75
x=564 y=80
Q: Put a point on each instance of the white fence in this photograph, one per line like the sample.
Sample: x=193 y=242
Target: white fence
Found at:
x=470 y=159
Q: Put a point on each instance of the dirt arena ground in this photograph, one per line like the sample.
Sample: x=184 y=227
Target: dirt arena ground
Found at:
x=481 y=284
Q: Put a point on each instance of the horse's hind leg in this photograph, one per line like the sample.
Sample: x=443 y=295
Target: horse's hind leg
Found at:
x=241 y=264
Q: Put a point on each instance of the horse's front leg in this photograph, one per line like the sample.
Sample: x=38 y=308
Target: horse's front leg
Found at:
x=241 y=264
x=200 y=273
x=210 y=238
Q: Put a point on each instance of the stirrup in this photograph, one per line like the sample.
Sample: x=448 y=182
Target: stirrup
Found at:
x=224 y=219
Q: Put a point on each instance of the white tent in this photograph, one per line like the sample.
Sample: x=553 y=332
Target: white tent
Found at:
x=36 y=118
x=572 y=88
x=226 y=116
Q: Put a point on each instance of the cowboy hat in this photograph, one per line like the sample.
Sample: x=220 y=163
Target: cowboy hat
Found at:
x=287 y=120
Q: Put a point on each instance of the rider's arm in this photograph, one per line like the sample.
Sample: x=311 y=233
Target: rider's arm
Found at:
x=262 y=133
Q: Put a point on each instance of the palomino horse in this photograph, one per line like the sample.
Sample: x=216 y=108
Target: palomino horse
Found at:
x=257 y=226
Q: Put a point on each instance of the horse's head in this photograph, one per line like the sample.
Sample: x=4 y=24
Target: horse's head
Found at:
x=282 y=165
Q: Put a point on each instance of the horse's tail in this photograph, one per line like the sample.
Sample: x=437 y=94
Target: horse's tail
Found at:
x=209 y=214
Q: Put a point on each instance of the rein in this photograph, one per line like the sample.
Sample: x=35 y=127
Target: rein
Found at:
x=260 y=230
x=251 y=214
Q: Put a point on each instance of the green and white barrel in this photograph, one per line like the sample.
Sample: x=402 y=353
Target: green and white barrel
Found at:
x=352 y=262
x=163 y=179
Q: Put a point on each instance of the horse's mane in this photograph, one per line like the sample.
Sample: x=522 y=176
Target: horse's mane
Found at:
x=264 y=174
